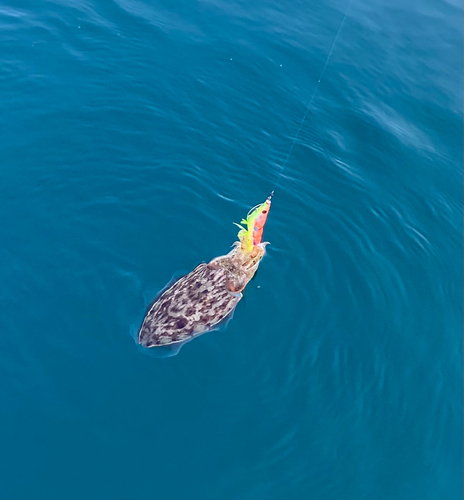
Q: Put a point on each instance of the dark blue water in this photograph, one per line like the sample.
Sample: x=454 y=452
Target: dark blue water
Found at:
x=132 y=134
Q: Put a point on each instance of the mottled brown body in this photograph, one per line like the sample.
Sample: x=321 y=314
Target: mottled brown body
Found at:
x=199 y=300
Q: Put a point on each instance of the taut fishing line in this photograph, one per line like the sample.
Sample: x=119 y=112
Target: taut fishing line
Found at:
x=295 y=138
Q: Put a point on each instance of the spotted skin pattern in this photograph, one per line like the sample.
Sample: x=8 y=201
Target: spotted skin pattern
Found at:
x=199 y=300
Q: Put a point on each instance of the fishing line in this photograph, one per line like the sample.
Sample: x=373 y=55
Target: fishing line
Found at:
x=295 y=138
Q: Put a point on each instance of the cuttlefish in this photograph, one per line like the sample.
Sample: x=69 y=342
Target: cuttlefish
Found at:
x=202 y=299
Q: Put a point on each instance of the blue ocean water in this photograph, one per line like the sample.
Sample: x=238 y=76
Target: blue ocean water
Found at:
x=132 y=134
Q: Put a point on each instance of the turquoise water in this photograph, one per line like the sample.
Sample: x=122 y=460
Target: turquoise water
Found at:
x=132 y=135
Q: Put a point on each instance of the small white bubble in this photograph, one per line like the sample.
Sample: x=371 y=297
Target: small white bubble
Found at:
x=231 y=58
x=79 y=27
x=281 y=65
x=257 y=286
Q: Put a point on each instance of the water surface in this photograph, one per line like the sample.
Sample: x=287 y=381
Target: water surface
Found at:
x=133 y=133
